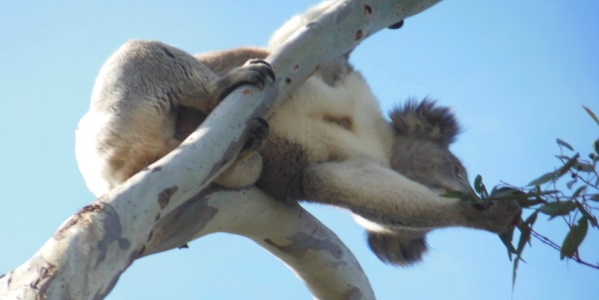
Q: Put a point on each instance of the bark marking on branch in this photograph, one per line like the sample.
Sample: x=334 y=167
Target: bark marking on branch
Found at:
x=165 y=196
x=301 y=243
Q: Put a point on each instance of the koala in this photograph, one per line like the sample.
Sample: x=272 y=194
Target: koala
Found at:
x=328 y=143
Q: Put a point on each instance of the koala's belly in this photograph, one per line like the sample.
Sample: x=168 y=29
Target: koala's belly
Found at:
x=334 y=122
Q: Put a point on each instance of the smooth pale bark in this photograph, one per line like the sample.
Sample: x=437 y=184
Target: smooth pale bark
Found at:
x=85 y=257
x=313 y=251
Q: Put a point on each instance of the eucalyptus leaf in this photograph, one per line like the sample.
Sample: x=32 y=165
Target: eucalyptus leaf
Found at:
x=562 y=143
x=566 y=167
x=506 y=191
x=524 y=239
x=574 y=238
x=480 y=188
x=531 y=219
x=571 y=183
x=578 y=191
x=592 y=115
x=526 y=203
x=592 y=219
x=584 y=167
x=554 y=209
x=478 y=184
x=506 y=239
x=543 y=179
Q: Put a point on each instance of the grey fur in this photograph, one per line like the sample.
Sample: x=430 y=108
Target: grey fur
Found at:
x=425 y=120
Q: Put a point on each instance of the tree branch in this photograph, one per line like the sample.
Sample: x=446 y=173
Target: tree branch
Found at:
x=104 y=238
x=289 y=232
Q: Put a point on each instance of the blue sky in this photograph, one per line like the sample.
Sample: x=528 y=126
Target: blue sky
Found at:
x=516 y=73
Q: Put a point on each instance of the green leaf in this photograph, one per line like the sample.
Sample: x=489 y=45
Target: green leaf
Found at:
x=515 y=272
x=574 y=238
x=506 y=191
x=543 y=179
x=597 y=146
x=585 y=213
x=480 y=188
x=554 y=209
x=584 y=167
x=578 y=191
x=524 y=238
x=567 y=166
x=478 y=184
x=531 y=219
x=571 y=183
x=562 y=143
x=592 y=115
x=506 y=239
x=526 y=203
x=525 y=231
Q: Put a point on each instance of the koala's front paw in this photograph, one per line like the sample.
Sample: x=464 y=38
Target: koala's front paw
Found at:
x=254 y=72
x=259 y=132
x=500 y=216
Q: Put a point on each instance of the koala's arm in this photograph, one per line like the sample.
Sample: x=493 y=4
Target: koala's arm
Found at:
x=385 y=197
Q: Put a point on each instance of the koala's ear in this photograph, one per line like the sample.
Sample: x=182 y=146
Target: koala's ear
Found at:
x=425 y=120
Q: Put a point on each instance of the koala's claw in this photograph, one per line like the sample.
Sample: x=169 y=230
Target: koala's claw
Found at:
x=258 y=134
x=254 y=72
x=266 y=67
x=260 y=130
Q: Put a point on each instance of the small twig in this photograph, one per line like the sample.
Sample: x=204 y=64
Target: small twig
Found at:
x=555 y=246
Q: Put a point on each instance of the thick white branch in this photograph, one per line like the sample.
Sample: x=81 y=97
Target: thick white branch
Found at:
x=85 y=258
x=289 y=232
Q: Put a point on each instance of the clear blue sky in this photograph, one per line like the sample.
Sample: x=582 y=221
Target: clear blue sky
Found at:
x=516 y=73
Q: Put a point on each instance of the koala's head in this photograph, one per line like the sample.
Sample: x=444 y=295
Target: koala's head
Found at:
x=424 y=132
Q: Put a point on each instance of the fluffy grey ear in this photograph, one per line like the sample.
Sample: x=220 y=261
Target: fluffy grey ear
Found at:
x=425 y=120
